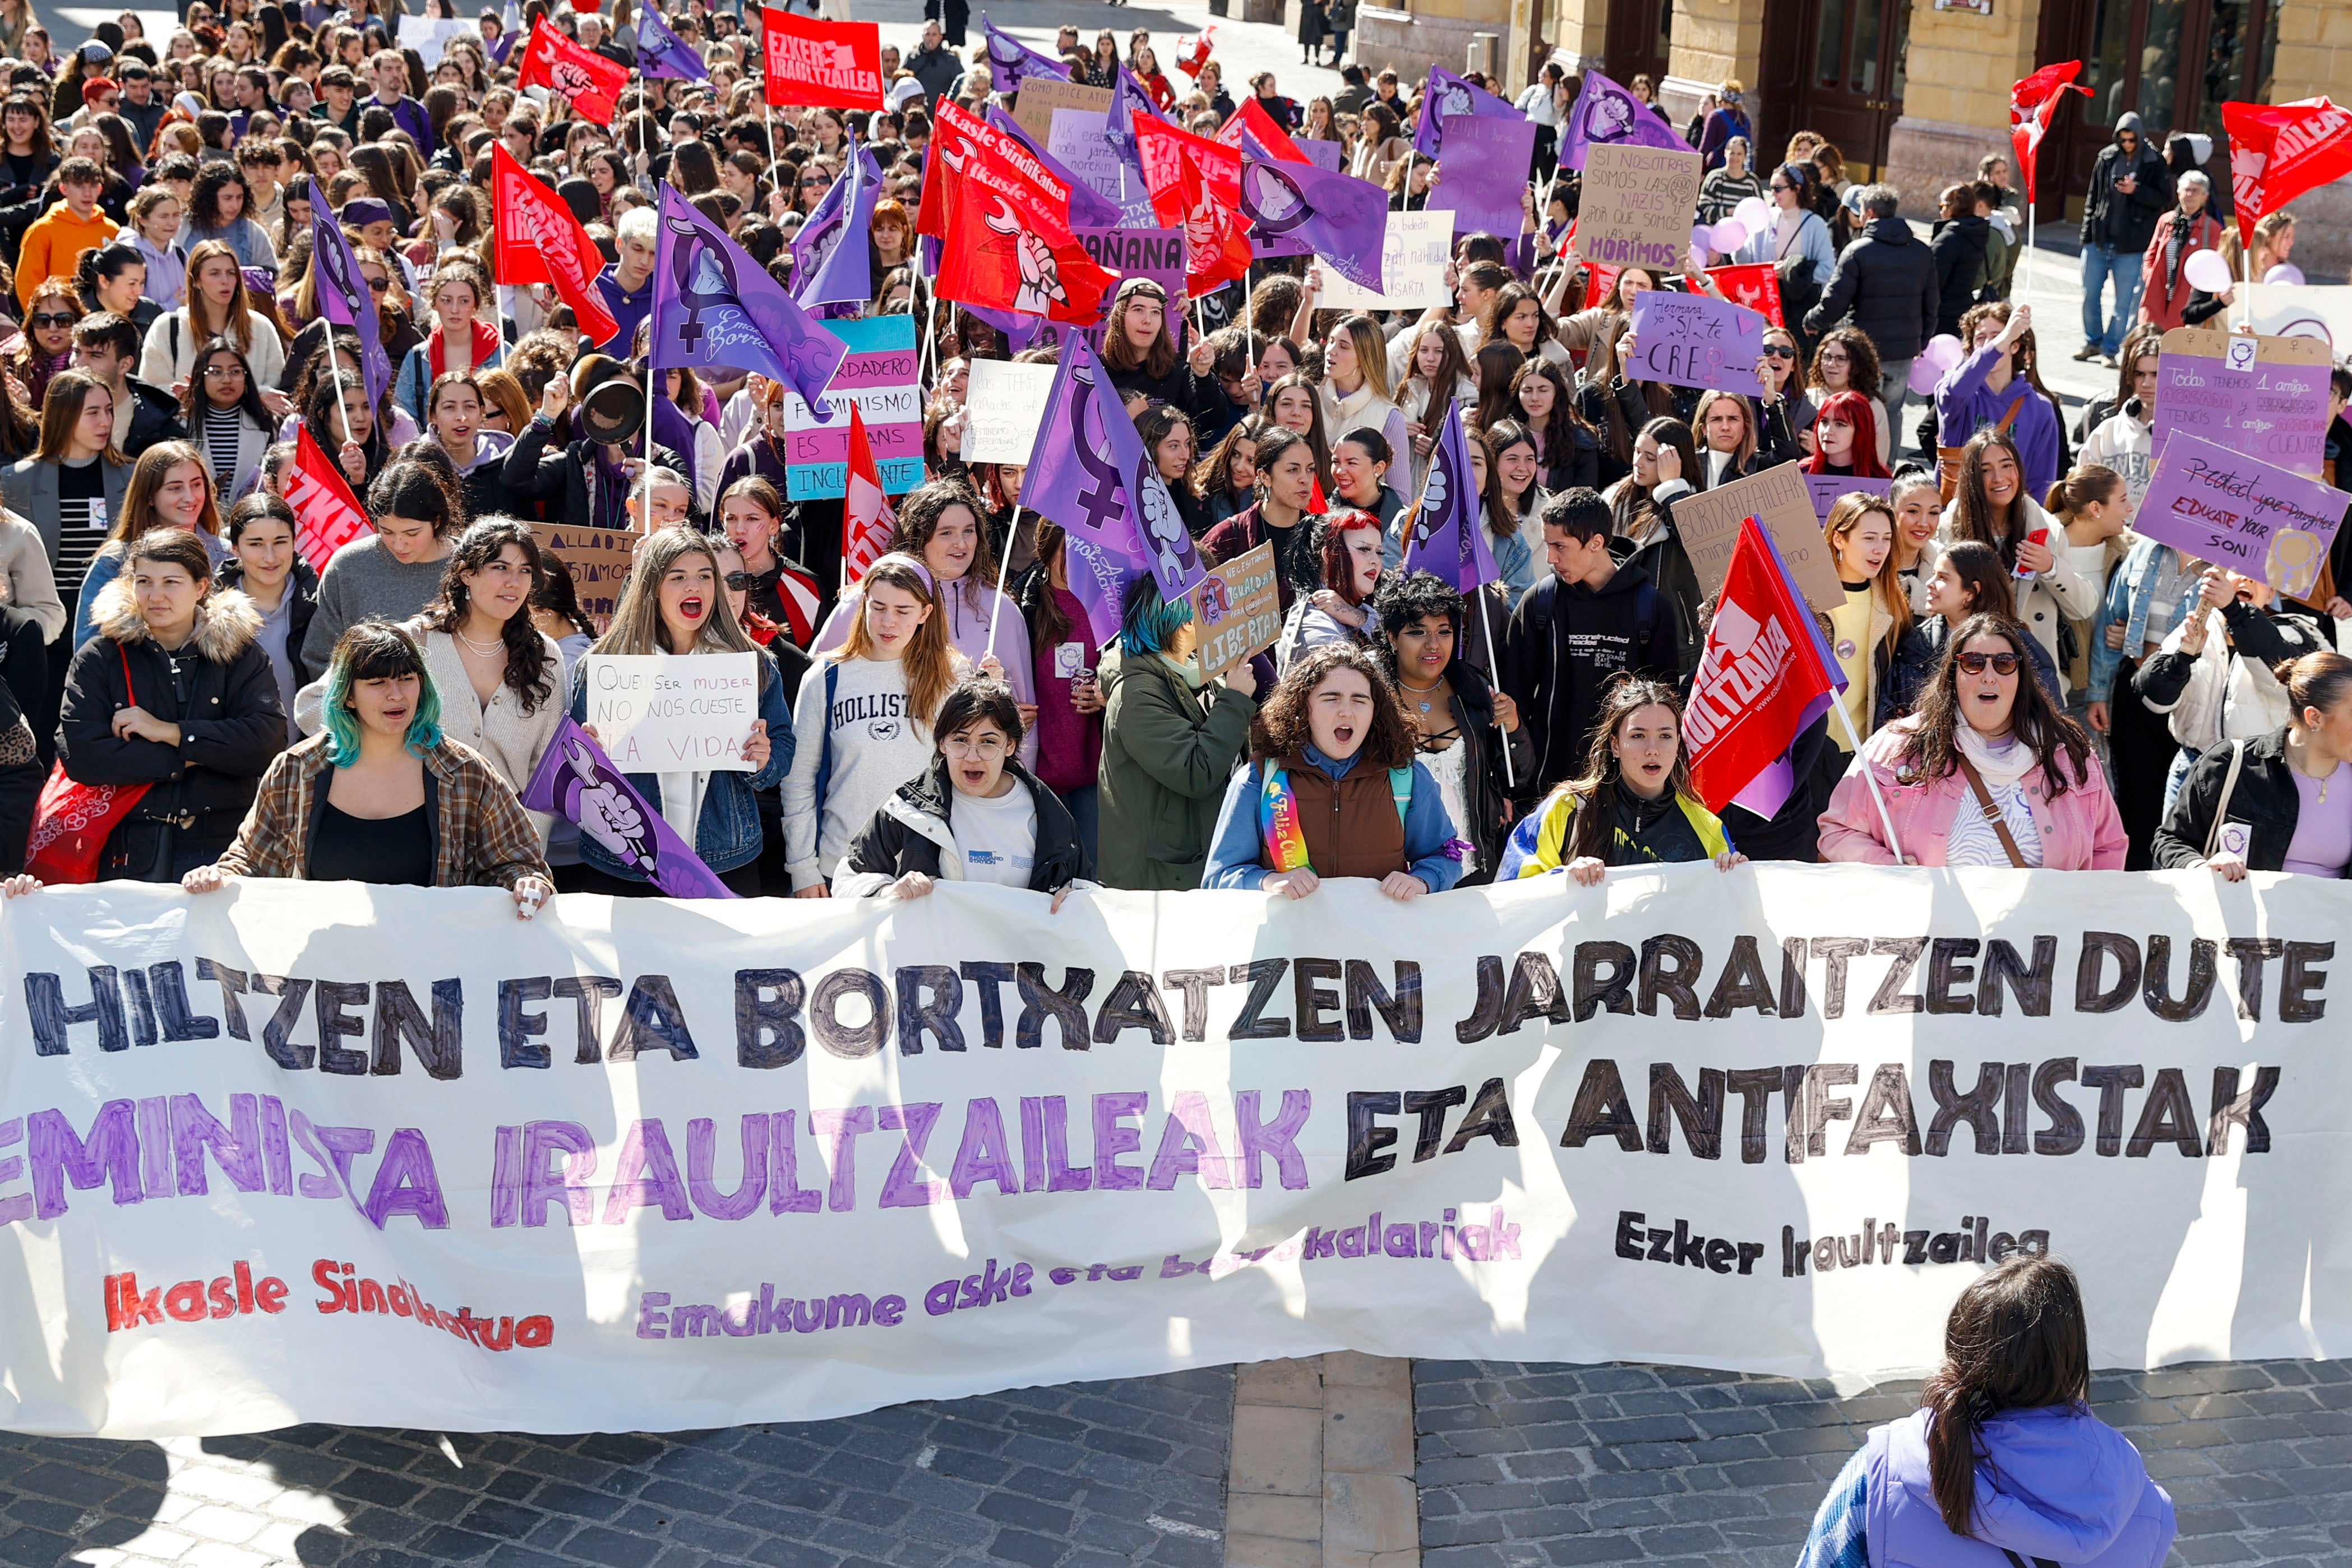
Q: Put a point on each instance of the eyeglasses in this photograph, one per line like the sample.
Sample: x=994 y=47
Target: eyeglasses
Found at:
x=985 y=745
x=380 y=285
x=1779 y=352
x=223 y=373
x=737 y=581
x=41 y=319
x=1974 y=664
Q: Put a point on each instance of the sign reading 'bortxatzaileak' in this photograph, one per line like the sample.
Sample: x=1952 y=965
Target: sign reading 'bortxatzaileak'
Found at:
x=656 y=1165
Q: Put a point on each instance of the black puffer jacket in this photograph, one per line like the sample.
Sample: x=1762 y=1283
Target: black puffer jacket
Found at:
x=562 y=480
x=1885 y=284
x=916 y=826
x=1202 y=397
x=1959 y=247
x=225 y=700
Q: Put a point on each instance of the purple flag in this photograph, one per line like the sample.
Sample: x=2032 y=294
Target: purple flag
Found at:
x=713 y=305
x=1089 y=206
x=344 y=298
x=1448 y=95
x=1088 y=472
x=832 y=256
x=1011 y=62
x=662 y=53
x=1447 y=531
x=1607 y=114
x=1484 y=175
x=576 y=781
x=1342 y=219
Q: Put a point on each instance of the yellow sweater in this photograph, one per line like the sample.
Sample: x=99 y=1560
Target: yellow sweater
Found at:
x=54 y=245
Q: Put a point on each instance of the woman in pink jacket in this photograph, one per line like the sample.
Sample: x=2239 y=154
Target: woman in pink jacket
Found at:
x=1986 y=773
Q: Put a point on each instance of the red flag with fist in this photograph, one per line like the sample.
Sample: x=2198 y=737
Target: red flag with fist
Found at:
x=590 y=81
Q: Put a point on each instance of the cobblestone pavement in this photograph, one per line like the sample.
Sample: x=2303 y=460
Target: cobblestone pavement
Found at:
x=1529 y=1466
x=1095 y=1475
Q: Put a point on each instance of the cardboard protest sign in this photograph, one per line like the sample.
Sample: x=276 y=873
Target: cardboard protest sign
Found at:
x=1042 y=95
x=2264 y=396
x=1708 y=521
x=1412 y=268
x=1827 y=487
x=598 y=560
x=659 y=713
x=1078 y=141
x=1238 y=610
x=1695 y=341
x=2255 y=517
x=1638 y=206
x=1485 y=171
x=879 y=376
x=1005 y=402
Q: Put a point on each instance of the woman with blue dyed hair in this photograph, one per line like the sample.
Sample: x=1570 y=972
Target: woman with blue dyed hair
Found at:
x=1170 y=742
x=381 y=796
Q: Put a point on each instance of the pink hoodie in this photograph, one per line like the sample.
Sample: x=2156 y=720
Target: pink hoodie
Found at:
x=2080 y=829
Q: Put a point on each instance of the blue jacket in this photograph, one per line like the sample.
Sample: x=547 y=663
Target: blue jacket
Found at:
x=1237 y=852
x=2130 y=600
x=727 y=835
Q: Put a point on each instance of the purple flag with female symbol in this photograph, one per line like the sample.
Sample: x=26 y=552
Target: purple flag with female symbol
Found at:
x=576 y=781
x=345 y=299
x=1447 y=95
x=1089 y=207
x=1446 y=532
x=713 y=305
x=662 y=53
x=1011 y=61
x=832 y=256
x=1342 y=219
x=1089 y=473
x=1607 y=114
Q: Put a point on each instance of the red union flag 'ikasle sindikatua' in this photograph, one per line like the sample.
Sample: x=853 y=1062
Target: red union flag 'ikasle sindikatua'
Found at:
x=538 y=241
x=2279 y=150
x=822 y=65
x=327 y=516
x=1196 y=185
x=1764 y=676
x=590 y=81
x=1005 y=222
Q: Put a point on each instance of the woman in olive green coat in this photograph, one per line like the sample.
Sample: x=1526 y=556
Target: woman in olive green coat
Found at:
x=1170 y=743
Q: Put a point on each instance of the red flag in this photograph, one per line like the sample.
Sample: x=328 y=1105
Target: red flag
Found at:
x=1196 y=185
x=1763 y=677
x=866 y=521
x=797 y=592
x=1756 y=285
x=1252 y=118
x=538 y=241
x=327 y=516
x=2279 y=150
x=1195 y=54
x=2032 y=104
x=1005 y=223
x=812 y=64
x=590 y=81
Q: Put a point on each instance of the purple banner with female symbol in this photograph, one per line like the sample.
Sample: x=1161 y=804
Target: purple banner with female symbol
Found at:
x=2256 y=518
x=1608 y=115
x=1483 y=175
x=1446 y=533
x=576 y=781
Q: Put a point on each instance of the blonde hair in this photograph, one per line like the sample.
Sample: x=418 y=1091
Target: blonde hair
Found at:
x=1887 y=588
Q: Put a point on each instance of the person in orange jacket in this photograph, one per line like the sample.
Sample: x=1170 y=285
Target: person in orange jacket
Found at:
x=54 y=245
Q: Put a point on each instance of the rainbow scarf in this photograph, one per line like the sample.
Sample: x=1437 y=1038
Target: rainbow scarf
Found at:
x=1277 y=823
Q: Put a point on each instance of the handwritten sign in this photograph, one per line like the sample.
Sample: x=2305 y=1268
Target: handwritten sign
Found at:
x=1040 y=96
x=598 y=561
x=1238 y=609
x=1006 y=403
x=656 y=713
x=1695 y=341
x=879 y=377
x=2255 y=517
x=1077 y=140
x=1414 y=254
x=1708 y=521
x=1484 y=173
x=2266 y=397
x=1827 y=487
x=1638 y=206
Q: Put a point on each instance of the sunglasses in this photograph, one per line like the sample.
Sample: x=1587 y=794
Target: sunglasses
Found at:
x=41 y=319
x=1974 y=664
x=738 y=581
x=1783 y=186
x=1779 y=352
x=380 y=285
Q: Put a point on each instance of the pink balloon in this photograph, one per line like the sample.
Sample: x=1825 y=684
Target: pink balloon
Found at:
x=2208 y=270
x=1728 y=236
x=1944 y=350
x=1754 y=214
x=1925 y=375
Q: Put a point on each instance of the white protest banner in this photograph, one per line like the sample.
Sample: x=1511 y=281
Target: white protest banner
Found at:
x=1413 y=252
x=656 y=713
x=390 y=1156
x=1005 y=402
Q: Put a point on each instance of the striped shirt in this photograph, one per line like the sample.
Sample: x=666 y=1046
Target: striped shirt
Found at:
x=1837 y=1538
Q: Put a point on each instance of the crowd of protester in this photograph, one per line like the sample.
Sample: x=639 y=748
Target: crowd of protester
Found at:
x=2028 y=682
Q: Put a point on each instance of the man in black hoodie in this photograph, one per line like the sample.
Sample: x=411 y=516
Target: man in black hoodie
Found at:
x=1885 y=284
x=2131 y=187
x=1574 y=632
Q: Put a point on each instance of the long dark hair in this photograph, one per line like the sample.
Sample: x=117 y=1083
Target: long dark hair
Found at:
x=2017 y=1340
x=1973 y=516
x=526 y=675
x=1502 y=521
x=1279 y=728
x=1635 y=508
x=193 y=402
x=1589 y=829
x=1933 y=748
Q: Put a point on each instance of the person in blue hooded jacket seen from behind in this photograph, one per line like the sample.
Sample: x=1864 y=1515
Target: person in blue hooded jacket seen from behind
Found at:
x=2004 y=1466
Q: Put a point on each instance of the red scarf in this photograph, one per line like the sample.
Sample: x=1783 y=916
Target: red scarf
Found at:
x=486 y=343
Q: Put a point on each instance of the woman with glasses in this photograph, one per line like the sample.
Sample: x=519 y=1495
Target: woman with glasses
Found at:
x=1988 y=772
x=46 y=345
x=223 y=413
x=1845 y=360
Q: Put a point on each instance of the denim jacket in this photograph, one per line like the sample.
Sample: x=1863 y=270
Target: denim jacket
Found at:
x=727 y=835
x=2130 y=599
